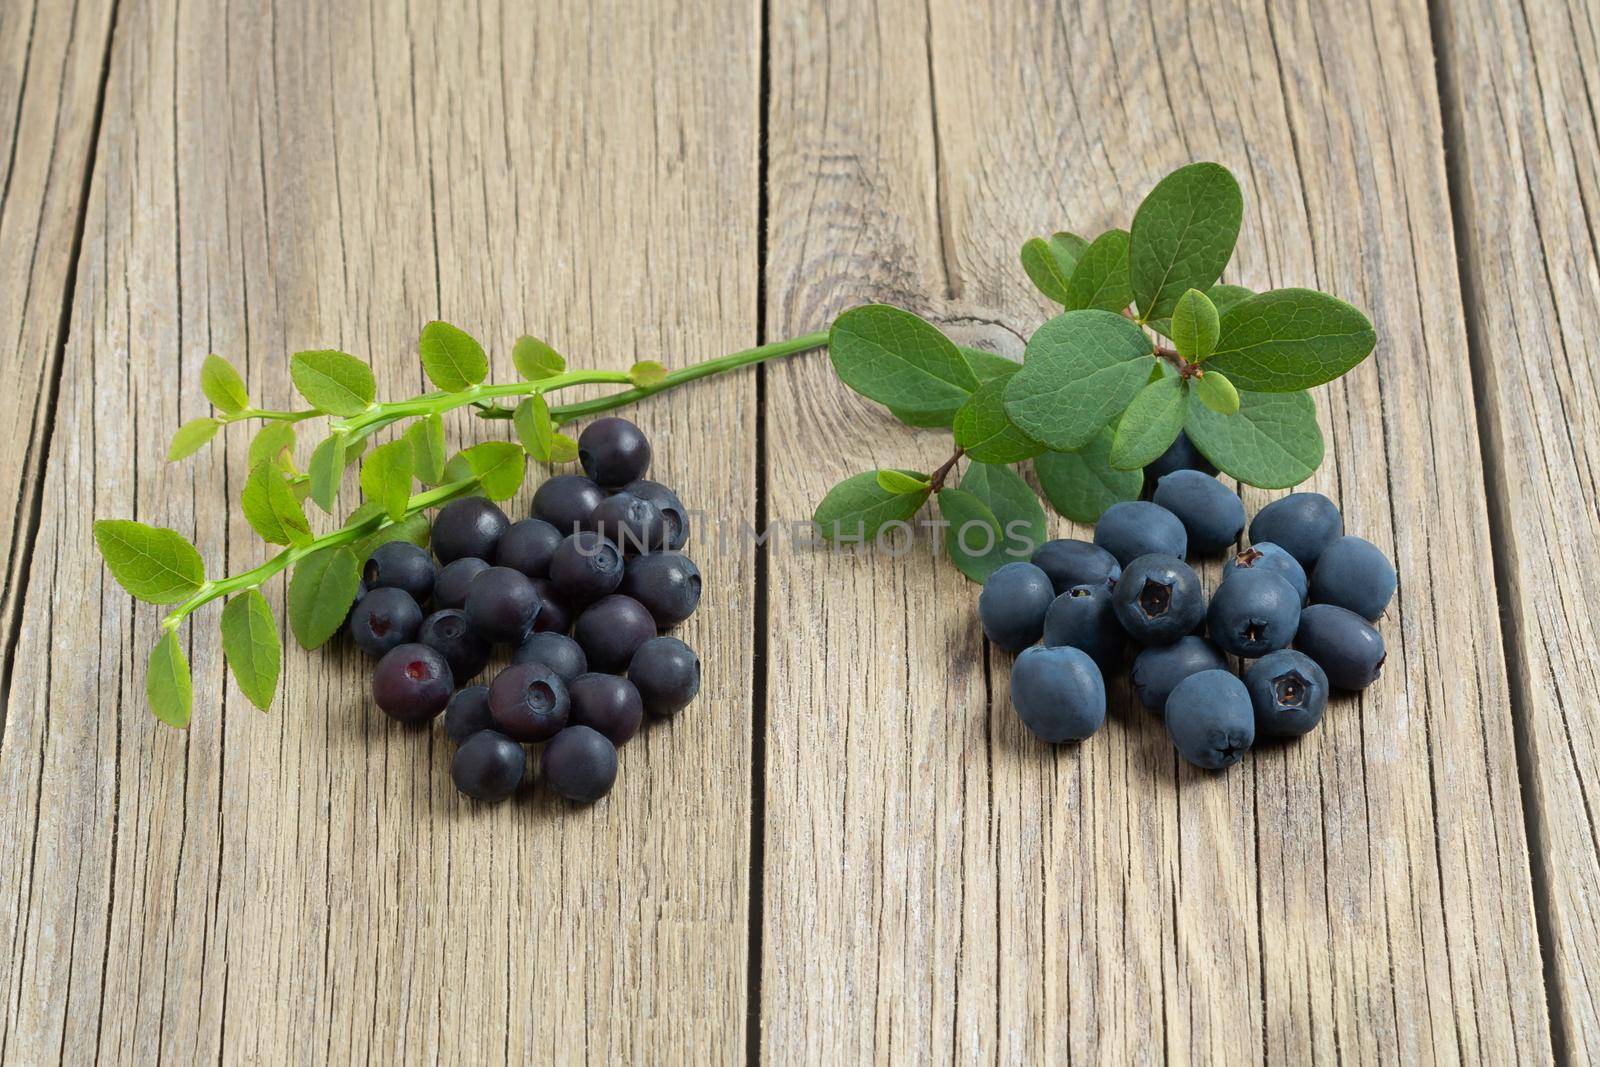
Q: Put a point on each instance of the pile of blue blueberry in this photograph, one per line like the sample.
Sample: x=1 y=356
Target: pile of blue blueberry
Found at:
x=1296 y=608
x=581 y=592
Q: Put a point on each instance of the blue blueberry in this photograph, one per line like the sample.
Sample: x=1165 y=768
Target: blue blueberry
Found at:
x=1211 y=720
x=1013 y=605
x=667 y=674
x=384 y=619
x=1158 y=599
x=1253 y=613
x=1082 y=618
x=467 y=713
x=401 y=565
x=611 y=630
x=1289 y=692
x=1346 y=646
x=412 y=683
x=1354 y=574
x=501 y=604
x=1059 y=693
x=1158 y=669
x=489 y=766
x=528 y=702
x=1211 y=513
x=566 y=502
x=631 y=523
x=613 y=451
x=586 y=567
x=555 y=614
x=666 y=583
x=557 y=651
x=449 y=634
x=470 y=526
x=1267 y=556
x=1133 y=528
x=606 y=703
x=527 y=546
x=675 y=515
x=1303 y=524
x=579 y=764
x=450 y=590
x=1072 y=563
x=1181 y=455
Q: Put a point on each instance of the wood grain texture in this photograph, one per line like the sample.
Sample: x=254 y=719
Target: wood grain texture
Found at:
x=52 y=56
x=1361 y=895
x=306 y=886
x=1521 y=85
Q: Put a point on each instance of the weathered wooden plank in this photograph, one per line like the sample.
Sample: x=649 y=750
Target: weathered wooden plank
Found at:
x=1519 y=94
x=52 y=57
x=306 y=886
x=1363 y=894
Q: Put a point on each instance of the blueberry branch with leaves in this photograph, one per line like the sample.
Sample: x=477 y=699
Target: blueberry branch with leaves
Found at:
x=160 y=566
x=1098 y=396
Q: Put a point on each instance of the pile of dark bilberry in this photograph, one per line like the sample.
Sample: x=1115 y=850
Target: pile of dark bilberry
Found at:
x=581 y=590
x=1297 y=606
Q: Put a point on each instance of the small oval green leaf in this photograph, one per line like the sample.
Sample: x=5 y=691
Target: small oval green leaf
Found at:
x=191 y=437
x=451 y=357
x=271 y=507
x=154 y=564
x=1081 y=485
x=1019 y=522
x=1195 y=325
x=386 y=477
x=1286 y=340
x=426 y=437
x=1149 y=426
x=1183 y=236
x=647 y=373
x=333 y=382
x=1273 y=442
x=1080 y=371
x=534 y=429
x=223 y=386
x=499 y=466
x=275 y=441
x=327 y=471
x=899 y=360
x=535 y=360
x=858 y=507
x=322 y=590
x=1217 y=392
x=251 y=646
x=1101 y=280
x=167 y=686
x=898 y=481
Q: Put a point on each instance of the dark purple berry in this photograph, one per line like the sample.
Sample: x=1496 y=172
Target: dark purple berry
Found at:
x=502 y=604
x=613 y=451
x=557 y=651
x=401 y=565
x=471 y=526
x=489 y=766
x=455 y=578
x=467 y=713
x=384 y=619
x=566 y=502
x=586 y=567
x=527 y=547
x=528 y=702
x=579 y=764
x=606 y=703
x=412 y=683
x=554 y=614
x=632 y=524
x=448 y=633
x=673 y=513
x=666 y=583
x=611 y=631
x=667 y=674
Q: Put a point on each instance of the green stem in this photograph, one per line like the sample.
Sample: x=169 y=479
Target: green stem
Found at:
x=345 y=535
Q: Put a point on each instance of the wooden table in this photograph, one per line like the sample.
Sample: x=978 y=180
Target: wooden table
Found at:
x=848 y=850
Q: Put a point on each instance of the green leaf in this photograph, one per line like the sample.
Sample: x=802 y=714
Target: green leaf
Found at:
x=1149 y=426
x=987 y=366
x=858 y=507
x=321 y=591
x=414 y=529
x=1081 y=485
x=191 y=437
x=274 y=442
x=647 y=372
x=1048 y=271
x=166 y=682
x=563 y=449
x=1222 y=297
x=1018 y=520
x=534 y=428
x=223 y=386
x=1183 y=236
x=986 y=432
x=386 y=477
x=1217 y=392
x=933 y=420
x=452 y=358
x=272 y=509
x=1273 y=442
x=534 y=359
x=500 y=466
x=426 y=437
x=327 y=471
x=250 y=645
x=154 y=564
x=1286 y=340
x=1195 y=326
x=898 y=481
x=899 y=360
x=1080 y=371
x=458 y=468
x=1101 y=280
x=333 y=382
